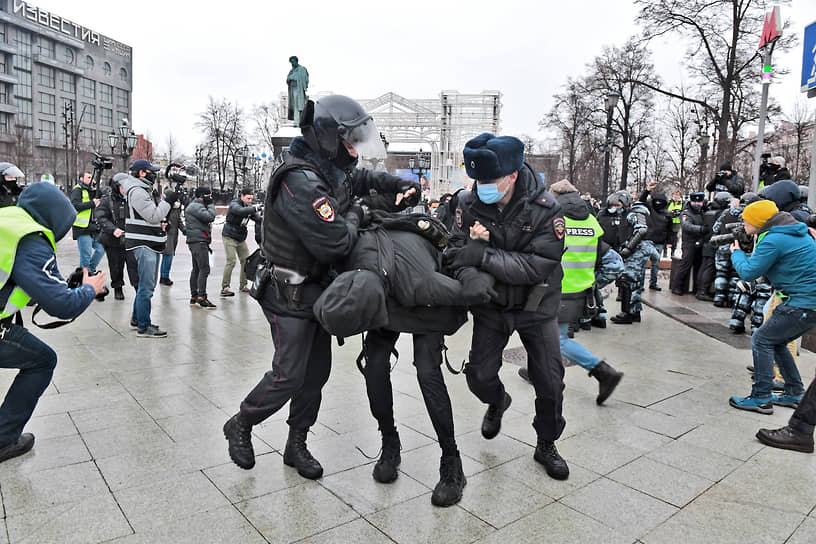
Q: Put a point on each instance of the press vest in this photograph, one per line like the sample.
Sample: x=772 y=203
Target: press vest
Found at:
x=578 y=262
x=140 y=233
x=674 y=208
x=15 y=223
x=83 y=218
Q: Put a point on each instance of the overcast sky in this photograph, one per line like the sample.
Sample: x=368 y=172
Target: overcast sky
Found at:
x=184 y=51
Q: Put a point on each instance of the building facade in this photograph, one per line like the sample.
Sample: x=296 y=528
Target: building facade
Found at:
x=63 y=89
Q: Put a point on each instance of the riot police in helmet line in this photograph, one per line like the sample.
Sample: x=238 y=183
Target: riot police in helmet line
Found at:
x=310 y=223
x=9 y=188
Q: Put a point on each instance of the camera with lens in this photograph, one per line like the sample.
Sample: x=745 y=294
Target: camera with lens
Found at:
x=75 y=280
x=180 y=173
x=101 y=163
x=736 y=232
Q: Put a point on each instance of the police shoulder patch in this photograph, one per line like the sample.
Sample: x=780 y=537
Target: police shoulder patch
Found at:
x=324 y=209
x=458 y=217
x=559 y=227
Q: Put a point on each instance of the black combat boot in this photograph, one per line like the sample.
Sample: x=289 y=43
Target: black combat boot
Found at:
x=118 y=294
x=491 y=424
x=238 y=432
x=452 y=481
x=554 y=464
x=296 y=455
x=385 y=471
x=608 y=379
x=624 y=317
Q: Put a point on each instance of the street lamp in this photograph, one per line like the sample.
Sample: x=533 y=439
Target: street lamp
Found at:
x=422 y=161
x=610 y=101
x=124 y=142
x=702 y=140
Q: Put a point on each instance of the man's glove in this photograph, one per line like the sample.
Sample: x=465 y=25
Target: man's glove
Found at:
x=625 y=252
x=705 y=230
x=355 y=214
x=470 y=255
x=207 y=200
x=477 y=287
x=412 y=200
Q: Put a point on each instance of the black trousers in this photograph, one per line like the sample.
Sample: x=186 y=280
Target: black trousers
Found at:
x=117 y=259
x=705 y=276
x=300 y=369
x=540 y=339
x=804 y=417
x=201 y=268
x=689 y=266
x=428 y=363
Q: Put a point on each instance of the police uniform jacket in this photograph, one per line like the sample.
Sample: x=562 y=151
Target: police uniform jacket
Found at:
x=525 y=247
x=709 y=220
x=306 y=227
x=614 y=226
x=692 y=224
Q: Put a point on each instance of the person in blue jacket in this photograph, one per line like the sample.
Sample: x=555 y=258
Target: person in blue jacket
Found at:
x=784 y=253
x=29 y=232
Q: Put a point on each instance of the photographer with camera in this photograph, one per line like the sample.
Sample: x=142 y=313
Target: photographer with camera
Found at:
x=85 y=199
x=240 y=211
x=29 y=233
x=727 y=180
x=771 y=170
x=145 y=237
x=200 y=213
x=174 y=223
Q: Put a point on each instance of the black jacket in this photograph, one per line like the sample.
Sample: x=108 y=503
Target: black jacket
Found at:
x=691 y=222
x=659 y=222
x=238 y=215
x=710 y=216
x=614 y=225
x=110 y=215
x=76 y=201
x=785 y=194
x=525 y=247
x=199 y=219
x=734 y=184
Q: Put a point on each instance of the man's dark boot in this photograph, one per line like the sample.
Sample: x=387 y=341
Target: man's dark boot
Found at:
x=22 y=445
x=296 y=455
x=491 y=424
x=786 y=438
x=452 y=481
x=118 y=294
x=385 y=471
x=239 y=434
x=547 y=455
x=704 y=296
x=608 y=379
x=624 y=317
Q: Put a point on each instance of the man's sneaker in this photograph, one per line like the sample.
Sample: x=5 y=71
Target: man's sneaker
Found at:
x=244 y=289
x=786 y=438
x=547 y=454
x=151 y=331
x=20 y=446
x=135 y=325
x=491 y=424
x=239 y=434
x=385 y=471
x=227 y=293
x=166 y=281
x=791 y=401
x=752 y=404
x=206 y=304
x=193 y=301
x=452 y=481
x=655 y=288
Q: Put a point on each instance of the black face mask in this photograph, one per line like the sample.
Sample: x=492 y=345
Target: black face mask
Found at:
x=150 y=176
x=343 y=160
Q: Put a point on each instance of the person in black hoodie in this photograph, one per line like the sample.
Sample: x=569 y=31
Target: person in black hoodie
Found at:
x=110 y=215
x=660 y=230
x=785 y=194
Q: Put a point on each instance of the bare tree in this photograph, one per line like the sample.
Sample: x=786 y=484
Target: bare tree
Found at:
x=223 y=126
x=266 y=122
x=171 y=147
x=679 y=124
x=800 y=122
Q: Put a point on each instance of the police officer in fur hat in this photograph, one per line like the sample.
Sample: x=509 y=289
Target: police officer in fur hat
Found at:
x=511 y=228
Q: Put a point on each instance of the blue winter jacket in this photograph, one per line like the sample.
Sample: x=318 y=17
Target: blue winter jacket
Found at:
x=785 y=255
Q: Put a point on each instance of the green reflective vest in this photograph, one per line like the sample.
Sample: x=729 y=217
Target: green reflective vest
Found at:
x=14 y=224
x=674 y=207
x=83 y=218
x=578 y=262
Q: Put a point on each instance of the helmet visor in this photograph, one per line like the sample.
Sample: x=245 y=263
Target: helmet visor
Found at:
x=366 y=139
x=13 y=172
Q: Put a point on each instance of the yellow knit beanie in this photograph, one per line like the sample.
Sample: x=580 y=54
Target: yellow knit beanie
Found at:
x=757 y=213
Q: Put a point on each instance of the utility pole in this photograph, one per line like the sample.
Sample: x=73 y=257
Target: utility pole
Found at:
x=771 y=31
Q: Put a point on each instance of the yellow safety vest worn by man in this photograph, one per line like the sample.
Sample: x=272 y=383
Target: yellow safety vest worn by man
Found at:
x=28 y=270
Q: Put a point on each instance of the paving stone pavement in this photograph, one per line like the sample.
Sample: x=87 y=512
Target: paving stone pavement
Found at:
x=129 y=446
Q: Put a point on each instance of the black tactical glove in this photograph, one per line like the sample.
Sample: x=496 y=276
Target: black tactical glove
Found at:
x=207 y=200
x=625 y=252
x=412 y=200
x=470 y=255
x=477 y=287
x=355 y=214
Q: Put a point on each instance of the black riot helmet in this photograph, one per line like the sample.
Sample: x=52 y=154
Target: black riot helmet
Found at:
x=332 y=119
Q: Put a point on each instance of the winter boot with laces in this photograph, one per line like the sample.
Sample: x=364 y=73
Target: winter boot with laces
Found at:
x=547 y=454
x=385 y=471
x=239 y=434
x=608 y=379
x=452 y=481
x=296 y=455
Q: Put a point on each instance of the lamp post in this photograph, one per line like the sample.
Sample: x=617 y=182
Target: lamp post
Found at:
x=702 y=140
x=124 y=143
x=68 y=129
x=610 y=101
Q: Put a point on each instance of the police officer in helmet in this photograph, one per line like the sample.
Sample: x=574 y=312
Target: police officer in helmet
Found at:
x=310 y=223
x=9 y=190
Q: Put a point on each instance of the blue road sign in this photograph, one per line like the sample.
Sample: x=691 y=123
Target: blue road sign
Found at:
x=809 y=58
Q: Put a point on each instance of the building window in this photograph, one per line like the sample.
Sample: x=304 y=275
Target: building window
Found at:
x=3 y=64
x=121 y=115
x=88 y=88
x=2 y=32
x=88 y=138
x=47 y=47
x=23 y=87
x=121 y=98
x=123 y=75
x=48 y=130
x=106 y=68
x=22 y=39
x=69 y=55
x=89 y=63
x=106 y=93
x=24 y=113
x=47 y=77
x=107 y=117
x=88 y=113
x=4 y=123
x=4 y=93
x=67 y=83
x=48 y=104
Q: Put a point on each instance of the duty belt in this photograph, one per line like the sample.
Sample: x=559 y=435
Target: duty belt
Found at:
x=290 y=280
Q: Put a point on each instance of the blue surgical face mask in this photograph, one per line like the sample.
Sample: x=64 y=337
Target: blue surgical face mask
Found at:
x=489 y=192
